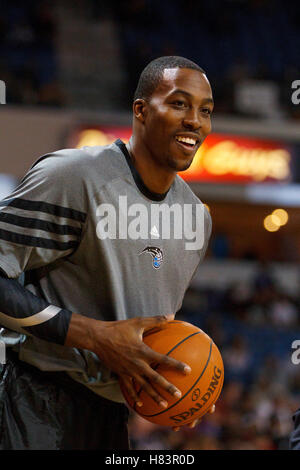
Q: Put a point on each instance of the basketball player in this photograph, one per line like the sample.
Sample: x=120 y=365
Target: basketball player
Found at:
x=90 y=291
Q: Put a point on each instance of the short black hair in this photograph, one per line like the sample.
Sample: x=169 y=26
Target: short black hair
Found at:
x=153 y=73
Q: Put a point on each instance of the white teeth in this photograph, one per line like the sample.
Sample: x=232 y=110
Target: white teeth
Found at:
x=187 y=140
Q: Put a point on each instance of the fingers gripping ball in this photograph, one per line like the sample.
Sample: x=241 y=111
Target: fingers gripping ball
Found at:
x=200 y=389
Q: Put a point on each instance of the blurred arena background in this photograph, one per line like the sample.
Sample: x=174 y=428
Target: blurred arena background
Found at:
x=70 y=69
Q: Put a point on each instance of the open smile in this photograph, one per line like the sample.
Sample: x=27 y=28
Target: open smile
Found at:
x=188 y=143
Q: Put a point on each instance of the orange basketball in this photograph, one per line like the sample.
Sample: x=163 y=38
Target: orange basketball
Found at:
x=200 y=389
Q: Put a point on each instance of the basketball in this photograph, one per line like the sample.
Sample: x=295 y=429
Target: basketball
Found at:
x=200 y=389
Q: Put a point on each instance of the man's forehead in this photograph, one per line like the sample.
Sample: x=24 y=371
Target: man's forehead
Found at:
x=184 y=78
x=175 y=73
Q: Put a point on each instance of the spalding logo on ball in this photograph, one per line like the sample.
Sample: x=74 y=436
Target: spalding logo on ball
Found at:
x=200 y=389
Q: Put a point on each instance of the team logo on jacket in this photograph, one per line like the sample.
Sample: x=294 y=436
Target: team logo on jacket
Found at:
x=157 y=255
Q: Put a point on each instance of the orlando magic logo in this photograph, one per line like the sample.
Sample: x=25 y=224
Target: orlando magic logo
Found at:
x=157 y=255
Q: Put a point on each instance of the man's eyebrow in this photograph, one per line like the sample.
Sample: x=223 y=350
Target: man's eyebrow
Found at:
x=208 y=100
x=184 y=92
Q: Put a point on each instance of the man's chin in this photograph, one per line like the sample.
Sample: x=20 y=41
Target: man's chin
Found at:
x=180 y=166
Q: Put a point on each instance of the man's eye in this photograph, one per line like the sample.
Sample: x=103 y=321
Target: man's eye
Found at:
x=206 y=111
x=180 y=104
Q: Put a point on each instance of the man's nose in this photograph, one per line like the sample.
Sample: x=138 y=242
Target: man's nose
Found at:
x=192 y=119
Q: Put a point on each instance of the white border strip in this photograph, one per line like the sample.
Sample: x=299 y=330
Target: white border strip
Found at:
x=36 y=319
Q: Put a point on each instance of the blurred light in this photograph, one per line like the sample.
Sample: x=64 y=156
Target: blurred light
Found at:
x=281 y=215
x=207 y=207
x=92 y=137
x=275 y=220
x=269 y=224
x=257 y=163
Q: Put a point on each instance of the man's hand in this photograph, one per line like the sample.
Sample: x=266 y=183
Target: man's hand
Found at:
x=120 y=347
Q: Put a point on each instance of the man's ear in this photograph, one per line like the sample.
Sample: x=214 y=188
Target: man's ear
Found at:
x=139 y=108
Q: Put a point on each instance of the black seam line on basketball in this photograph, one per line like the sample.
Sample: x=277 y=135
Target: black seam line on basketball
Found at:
x=156 y=329
x=182 y=341
x=26 y=240
x=29 y=222
x=174 y=404
x=41 y=206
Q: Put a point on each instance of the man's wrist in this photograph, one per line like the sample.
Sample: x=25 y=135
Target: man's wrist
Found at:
x=80 y=332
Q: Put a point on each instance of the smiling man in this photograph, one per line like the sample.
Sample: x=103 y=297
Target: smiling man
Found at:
x=77 y=324
x=172 y=116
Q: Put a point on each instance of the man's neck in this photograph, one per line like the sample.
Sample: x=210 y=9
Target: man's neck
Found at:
x=155 y=178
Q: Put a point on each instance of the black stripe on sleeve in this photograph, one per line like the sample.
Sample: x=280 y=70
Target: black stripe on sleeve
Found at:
x=38 y=224
x=18 y=302
x=26 y=240
x=41 y=206
x=54 y=330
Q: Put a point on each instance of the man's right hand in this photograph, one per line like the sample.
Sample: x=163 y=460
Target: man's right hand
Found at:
x=120 y=347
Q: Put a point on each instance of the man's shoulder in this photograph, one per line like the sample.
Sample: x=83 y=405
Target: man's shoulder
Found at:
x=78 y=156
x=81 y=163
x=181 y=187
